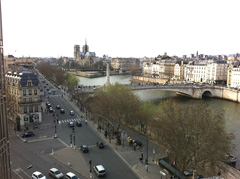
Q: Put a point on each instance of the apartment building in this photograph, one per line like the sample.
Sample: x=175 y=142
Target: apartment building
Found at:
x=124 y=63
x=233 y=77
x=23 y=95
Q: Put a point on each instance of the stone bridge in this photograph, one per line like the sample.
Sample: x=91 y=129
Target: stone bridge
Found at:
x=196 y=92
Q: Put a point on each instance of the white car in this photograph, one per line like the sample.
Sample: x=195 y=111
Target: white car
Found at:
x=71 y=113
x=38 y=175
x=99 y=170
x=71 y=175
x=55 y=173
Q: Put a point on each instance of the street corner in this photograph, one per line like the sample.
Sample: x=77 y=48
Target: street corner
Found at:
x=72 y=159
x=150 y=171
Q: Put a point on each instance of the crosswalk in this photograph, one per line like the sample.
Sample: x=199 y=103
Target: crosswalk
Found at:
x=69 y=120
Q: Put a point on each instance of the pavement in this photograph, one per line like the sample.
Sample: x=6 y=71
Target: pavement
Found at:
x=73 y=159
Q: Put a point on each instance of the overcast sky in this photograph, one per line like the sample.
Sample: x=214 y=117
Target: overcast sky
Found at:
x=121 y=28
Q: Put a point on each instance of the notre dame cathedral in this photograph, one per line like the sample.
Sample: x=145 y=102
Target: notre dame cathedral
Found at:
x=84 y=58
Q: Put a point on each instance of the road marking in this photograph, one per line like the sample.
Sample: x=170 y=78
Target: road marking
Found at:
x=63 y=142
x=17 y=173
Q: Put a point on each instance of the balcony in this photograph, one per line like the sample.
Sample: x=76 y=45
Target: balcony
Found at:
x=32 y=102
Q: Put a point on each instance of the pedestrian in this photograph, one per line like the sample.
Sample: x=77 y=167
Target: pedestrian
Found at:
x=134 y=147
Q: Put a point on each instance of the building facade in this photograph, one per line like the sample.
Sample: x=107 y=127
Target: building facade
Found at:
x=5 y=167
x=124 y=63
x=212 y=71
x=23 y=92
x=233 y=77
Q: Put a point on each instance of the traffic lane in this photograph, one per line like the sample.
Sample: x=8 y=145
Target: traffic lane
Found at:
x=114 y=165
x=57 y=100
x=37 y=155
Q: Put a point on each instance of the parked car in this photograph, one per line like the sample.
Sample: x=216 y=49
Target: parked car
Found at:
x=49 y=92
x=71 y=124
x=199 y=177
x=71 y=175
x=38 y=175
x=100 y=144
x=188 y=172
x=79 y=124
x=84 y=149
x=58 y=106
x=55 y=173
x=62 y=111
x=28 y=134
x=71 y=113
x=99 y=170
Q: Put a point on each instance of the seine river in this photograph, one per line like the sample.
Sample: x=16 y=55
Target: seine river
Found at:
x=232 y=109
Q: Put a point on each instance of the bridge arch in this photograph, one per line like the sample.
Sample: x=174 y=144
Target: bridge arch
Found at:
x=207 y=94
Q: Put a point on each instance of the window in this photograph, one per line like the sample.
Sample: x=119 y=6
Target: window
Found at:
x=30 y=92
x=29 y=83
x=30 y=109
x=25 y=109
x=35 y=99
x=30 y=99
x=24 y=100
x=24 y=92
x=35 y=92
x=36 y=108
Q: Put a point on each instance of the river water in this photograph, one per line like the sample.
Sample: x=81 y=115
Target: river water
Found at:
x=232 y=109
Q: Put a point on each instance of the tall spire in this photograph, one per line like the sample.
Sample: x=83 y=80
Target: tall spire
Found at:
x=85 y=41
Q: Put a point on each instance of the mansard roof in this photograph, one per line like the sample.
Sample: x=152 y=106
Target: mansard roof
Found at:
x=28 y=75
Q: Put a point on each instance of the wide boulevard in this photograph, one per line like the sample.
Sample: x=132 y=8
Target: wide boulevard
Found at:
x=37 y=150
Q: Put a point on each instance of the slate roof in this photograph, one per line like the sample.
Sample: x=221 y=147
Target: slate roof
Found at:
x=28 y=75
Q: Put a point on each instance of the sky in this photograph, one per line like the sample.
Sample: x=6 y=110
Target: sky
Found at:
x=120 y=28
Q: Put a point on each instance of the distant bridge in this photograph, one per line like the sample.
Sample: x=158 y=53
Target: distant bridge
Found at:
x=192 y=91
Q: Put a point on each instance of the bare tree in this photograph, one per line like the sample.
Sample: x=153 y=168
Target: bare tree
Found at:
x=194 y=134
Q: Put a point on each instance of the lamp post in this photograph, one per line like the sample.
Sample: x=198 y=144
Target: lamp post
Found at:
x=146 y=161
x=90 y=165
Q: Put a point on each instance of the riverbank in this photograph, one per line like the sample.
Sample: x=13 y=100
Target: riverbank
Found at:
x=95 y=74
x=144 y=79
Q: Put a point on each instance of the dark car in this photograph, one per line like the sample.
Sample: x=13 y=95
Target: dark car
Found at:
x=58 y=106
x=62 y=111
x=48 y=104
x=100 y=144
x=28 y=134
x=188 y=172
x=138 y=143
x=84 y=149
x=71 y=124
x=51 y=109
x=79 y=124
x=199 y=177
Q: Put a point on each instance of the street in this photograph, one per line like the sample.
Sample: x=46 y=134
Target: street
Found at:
x=36 y=151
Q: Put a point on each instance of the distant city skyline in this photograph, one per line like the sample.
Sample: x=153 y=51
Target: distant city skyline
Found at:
x=135 y=28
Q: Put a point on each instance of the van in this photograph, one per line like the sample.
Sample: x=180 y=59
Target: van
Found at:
x=99 y=170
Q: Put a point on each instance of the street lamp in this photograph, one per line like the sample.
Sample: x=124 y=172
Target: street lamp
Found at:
x=90 y=164
x=55 y=135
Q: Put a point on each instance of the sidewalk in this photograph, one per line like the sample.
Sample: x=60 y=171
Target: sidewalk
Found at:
x=127 y=154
